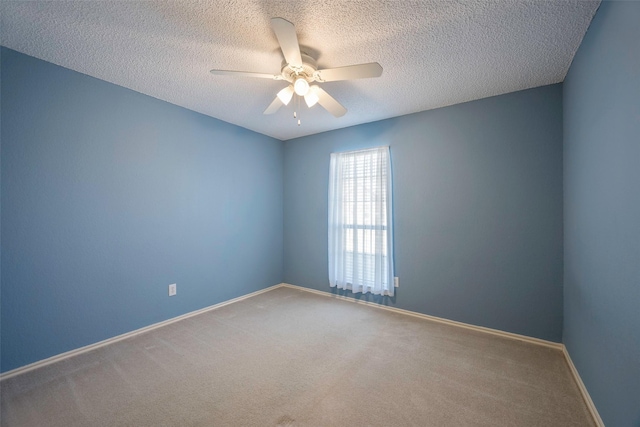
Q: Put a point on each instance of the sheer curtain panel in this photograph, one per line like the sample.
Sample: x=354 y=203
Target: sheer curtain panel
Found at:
x=360 y=222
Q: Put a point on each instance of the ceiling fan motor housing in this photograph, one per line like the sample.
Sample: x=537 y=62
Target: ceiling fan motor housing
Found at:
x=307 y=70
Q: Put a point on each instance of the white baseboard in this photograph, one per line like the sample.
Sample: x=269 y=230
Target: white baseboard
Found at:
x=77 y=351
x=538 y=341
x=583 y=389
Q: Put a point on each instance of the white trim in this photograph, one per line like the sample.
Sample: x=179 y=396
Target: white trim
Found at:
x=511 y=335
x=87 y=348
x=583 y=389
x=361 y=149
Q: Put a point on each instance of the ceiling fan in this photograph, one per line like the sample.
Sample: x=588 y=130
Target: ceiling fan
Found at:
x=300 y=70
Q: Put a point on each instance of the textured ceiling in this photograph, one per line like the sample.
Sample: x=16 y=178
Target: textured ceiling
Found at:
x=434 y=53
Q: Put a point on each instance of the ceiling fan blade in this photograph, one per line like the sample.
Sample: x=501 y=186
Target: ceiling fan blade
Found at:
x=286 y=34
x=327 y=101
x=274 y=106
x=246 y=74
x=351 y=72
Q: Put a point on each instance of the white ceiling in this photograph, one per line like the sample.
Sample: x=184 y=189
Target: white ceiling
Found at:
x=434 y=53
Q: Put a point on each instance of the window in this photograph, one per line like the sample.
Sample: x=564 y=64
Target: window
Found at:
x=360 y=223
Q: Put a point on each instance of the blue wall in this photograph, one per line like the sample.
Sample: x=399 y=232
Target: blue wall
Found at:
x=108 y=196
x=477 y=205
x=602 y=212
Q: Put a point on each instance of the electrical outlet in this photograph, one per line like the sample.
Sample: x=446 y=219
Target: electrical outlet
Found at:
x=172 y=290
x=396 y=282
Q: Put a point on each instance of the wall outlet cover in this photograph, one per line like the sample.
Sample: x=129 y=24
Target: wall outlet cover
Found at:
x=172 y=290
x=396 y=282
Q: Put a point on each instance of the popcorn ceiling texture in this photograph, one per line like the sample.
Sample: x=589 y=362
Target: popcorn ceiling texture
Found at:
x=434 y=53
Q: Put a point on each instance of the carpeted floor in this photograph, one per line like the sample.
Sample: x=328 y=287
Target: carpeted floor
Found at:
x=289 y=357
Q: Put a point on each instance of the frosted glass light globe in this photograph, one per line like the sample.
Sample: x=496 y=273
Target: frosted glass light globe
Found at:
x=301 y=86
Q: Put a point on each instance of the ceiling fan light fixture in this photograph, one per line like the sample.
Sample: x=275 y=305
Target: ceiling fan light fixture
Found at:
x=301 y=86
x=286 y=94
x=311 y=98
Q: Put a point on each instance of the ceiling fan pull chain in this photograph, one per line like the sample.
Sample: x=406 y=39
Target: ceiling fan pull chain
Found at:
x=297 y=101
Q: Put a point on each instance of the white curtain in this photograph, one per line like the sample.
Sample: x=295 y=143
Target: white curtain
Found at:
x=360 y=221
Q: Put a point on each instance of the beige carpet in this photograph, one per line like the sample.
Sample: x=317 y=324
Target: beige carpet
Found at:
x=289 y=357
